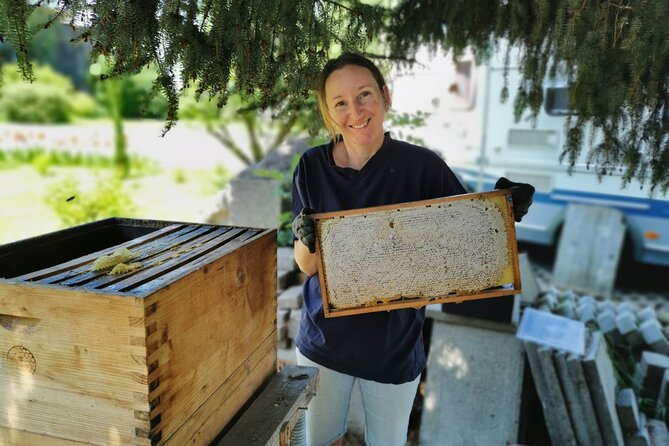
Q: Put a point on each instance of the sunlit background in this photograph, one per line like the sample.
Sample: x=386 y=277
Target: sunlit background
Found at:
x=75 y=149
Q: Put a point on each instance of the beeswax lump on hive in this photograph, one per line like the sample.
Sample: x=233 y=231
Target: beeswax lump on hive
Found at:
x=123 y=268
x=121 y=255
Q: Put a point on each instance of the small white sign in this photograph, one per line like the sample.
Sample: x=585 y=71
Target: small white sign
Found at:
x=552 y=331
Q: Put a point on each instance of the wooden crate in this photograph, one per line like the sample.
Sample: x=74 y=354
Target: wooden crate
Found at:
x=166 y=354
x=413 y=254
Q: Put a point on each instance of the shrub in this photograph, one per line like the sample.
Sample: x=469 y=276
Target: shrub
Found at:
x=84 y=106
x=42 y=163
x=44 y=74
x=75 y=205
x=46 y=101
x=37 y=103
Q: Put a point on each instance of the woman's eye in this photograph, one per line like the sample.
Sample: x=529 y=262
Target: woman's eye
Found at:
x=340 y=104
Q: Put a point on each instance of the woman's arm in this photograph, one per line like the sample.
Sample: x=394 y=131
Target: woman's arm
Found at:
x=306 y=261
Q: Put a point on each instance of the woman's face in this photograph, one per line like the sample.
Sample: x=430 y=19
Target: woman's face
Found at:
x=357 y=105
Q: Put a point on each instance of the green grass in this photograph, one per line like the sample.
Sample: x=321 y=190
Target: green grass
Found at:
x=24 y=212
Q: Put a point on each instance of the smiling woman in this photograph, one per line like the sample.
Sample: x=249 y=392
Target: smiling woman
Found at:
x=361 y=167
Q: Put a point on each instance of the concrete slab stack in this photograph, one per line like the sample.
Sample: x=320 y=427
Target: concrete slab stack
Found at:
x=561 y=382
x=577 y=398
x=583 y=398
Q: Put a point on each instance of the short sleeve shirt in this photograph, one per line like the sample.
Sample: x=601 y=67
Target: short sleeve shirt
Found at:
x=383 y=346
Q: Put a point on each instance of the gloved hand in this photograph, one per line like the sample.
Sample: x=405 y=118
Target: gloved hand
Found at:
x=304 y=229
x=521 y=193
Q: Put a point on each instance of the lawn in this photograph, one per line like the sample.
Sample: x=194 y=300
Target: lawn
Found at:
x=176 y=195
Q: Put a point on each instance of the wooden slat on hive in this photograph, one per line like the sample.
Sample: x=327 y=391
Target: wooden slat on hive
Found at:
x=193 y=263
x=84 y=273
x=170 y=261
x=157 y=247
x=402 y=258
x=75 y=360
x=158 y=253
x=195 y=345
x=85 y=260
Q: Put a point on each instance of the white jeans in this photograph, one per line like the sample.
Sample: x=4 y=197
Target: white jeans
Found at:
x=387 y=408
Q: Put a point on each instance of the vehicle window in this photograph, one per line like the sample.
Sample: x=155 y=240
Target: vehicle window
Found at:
x=556 y=102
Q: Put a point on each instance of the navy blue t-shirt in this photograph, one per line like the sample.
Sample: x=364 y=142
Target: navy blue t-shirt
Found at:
x=385 y=346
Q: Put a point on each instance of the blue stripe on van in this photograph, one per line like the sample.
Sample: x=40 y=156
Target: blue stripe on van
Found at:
x=650 y=207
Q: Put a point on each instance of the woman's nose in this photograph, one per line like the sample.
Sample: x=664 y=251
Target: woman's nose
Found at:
x=357 y=108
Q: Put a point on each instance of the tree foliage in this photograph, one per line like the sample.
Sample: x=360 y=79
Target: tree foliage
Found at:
x=253 y=43
x=615 y=55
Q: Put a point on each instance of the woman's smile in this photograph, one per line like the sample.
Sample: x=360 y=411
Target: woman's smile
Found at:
x=361 y=126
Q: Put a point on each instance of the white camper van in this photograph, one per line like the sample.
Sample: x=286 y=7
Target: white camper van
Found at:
x=480 y=140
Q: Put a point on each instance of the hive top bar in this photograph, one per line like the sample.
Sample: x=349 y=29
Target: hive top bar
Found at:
x=161 y=252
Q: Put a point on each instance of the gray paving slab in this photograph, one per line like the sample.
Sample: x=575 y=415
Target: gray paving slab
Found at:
x=552 y=402
x=628 y=328
x=606 y=320
x=646 y=313
x=567 y=309
x=575 y=367
x=285 y=259
x=530 y=287
x=652 y=368
x=639 y=438
x=284 y=278
x=663 y=398
x=604 y=305
x=585 y=312
x=628 y=411
x=657 y=431
x=624 y=307
x=572 y=399
x=588 y=300
x=652 y=333
x=291 y=298
x=474 y=379
x=294 y=323
x=642 y=436
x=600 y=377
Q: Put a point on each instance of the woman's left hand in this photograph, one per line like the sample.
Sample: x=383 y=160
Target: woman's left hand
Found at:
x=522 y=194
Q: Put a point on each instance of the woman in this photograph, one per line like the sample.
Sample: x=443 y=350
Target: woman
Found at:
x=362 y=166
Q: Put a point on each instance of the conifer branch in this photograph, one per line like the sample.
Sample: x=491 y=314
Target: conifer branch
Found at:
x=339 y=5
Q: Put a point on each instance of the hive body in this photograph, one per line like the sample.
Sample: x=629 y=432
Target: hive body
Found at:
x=165 y=354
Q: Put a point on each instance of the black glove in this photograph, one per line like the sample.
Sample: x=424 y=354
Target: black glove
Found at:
x=304 y=229
x=521 y=193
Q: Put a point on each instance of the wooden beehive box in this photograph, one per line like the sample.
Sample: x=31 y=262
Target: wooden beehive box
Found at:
x=166 y=354
x=413 y=254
